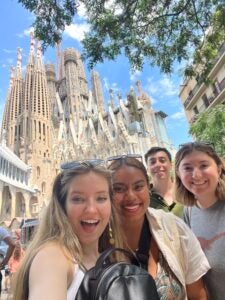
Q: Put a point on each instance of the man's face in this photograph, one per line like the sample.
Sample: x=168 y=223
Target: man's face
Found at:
x=159 y=165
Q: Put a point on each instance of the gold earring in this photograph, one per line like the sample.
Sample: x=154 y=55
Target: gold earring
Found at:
x=111 y=239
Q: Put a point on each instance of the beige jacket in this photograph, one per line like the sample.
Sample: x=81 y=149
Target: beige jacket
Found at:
x=178 y=245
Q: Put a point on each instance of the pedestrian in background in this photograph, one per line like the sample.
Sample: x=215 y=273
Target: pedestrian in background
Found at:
x=6 y=237
x=15 y=262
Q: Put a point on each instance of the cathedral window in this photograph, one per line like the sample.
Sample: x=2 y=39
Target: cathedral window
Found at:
x=38 y=172
x=43 y=187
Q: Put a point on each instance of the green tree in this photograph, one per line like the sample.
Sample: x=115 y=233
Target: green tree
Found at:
x=210 y=126
x=161 y=31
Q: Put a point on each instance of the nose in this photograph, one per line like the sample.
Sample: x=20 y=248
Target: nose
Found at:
x=158 y=164
x=196 y=173
x=91 y=206
x=130 y=194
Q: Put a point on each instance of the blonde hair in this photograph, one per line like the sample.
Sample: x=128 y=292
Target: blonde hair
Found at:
x=55 y=226
x=181 y=194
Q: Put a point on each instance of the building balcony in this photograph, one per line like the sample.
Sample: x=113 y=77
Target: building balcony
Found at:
x=213 y=99
x=197 y=90
x=216 y=92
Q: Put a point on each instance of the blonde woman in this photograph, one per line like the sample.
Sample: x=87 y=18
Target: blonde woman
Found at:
x=71 y=234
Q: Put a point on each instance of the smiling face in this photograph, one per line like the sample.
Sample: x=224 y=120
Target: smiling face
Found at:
x=159 y=165
x=88 y=207
x=199 y=174
x=131 y=193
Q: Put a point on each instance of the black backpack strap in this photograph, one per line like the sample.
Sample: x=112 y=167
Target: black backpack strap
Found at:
x=142 y=252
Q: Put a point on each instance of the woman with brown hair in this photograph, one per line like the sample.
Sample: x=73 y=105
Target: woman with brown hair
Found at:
x=200 y=184
x=164 y=244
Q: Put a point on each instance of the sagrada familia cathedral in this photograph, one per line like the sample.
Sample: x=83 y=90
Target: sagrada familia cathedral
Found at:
x=51 y=116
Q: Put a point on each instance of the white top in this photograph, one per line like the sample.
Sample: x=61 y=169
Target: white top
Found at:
x=75 y=284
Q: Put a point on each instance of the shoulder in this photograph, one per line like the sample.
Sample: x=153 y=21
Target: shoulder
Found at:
x=172 y=225
x=159 y=215
x=50 y=255
x=175 y=237
x=50 y=273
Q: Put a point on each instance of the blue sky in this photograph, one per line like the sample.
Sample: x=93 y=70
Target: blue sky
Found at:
x=163 y=90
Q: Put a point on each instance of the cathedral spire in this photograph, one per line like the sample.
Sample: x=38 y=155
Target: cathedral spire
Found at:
x=19 y=63
x=32 y=42
x=39 y=58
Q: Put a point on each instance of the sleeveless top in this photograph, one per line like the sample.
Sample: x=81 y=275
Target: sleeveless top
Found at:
x=74 y=286
x=168 y=286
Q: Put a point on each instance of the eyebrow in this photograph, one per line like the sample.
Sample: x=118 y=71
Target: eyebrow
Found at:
x=81 y=193
x=121 y=183
x=153 y=158
x=188 y=164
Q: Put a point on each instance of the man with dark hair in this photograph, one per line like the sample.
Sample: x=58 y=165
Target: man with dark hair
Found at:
x=159 y=164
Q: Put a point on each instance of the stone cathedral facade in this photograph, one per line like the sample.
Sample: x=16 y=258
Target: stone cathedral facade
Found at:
x=51 y=117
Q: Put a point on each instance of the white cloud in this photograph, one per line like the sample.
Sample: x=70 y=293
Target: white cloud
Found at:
x=81 y=10
x=114 y=86
x=8 y=51
x=168 y=86
x=152 y=87
x=26 y=32
x=162 y=87
x=111 y=4
x=134 y=75
x=153 y=100
x=76 y=31
x=107 y=86
x=178 y=115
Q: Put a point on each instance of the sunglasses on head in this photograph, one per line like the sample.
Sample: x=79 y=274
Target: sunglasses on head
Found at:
x=124 y=156
x=90 y=163
x=200 y=143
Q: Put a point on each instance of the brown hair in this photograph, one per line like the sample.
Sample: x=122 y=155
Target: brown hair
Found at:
x=155 y=150
x=130 y=162
x=55 y=226
x=184 y=196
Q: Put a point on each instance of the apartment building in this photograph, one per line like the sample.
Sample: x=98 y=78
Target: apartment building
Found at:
x=197 y=97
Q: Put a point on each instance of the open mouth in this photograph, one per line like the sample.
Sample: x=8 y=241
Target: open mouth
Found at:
x=89 y=224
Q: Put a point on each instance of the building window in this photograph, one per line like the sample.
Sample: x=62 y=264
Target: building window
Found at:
x=195 y=109
x=38 y=172
x=205 y=100
x=43 y=187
